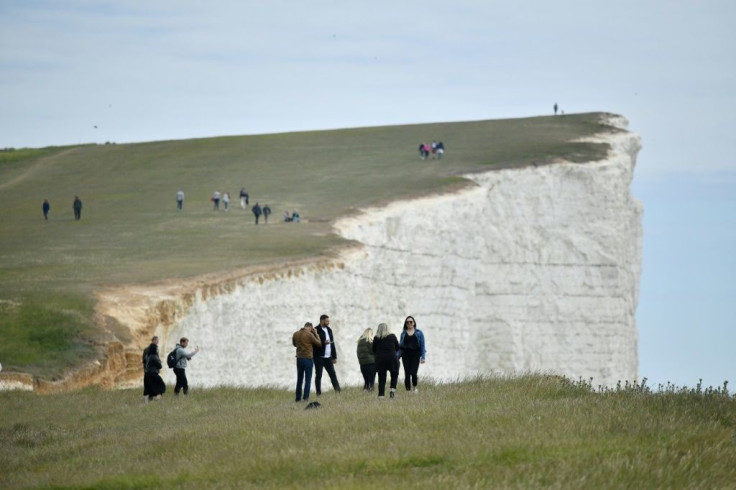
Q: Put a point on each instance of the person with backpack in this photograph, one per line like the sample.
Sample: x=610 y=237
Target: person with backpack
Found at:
x=179 y=357
x=153 y=385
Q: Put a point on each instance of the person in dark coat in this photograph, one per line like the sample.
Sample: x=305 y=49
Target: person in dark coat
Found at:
x=367 y=359
x=46 y=208
x=385 y=348
x=257 y=211
x=266 y=212
x=153 y=385
x=77 y=206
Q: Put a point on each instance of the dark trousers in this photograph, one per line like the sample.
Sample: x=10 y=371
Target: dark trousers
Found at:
x=369 y=375
x=304 y=369
x=181 y=381
x=326 y=363
x=410 y=359
x=388 y=365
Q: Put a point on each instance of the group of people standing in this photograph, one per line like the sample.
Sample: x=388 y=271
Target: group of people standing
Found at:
x=224 y=198
x=380 y=354
x=436 y=149
x=153 y=385
x=76 y=207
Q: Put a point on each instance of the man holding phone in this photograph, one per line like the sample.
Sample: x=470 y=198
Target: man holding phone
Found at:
x=325 y=356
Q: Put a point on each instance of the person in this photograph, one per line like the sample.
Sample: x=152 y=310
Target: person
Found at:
x=325 y=356
x=266 y=212
x=182 y=356
x=144 y=358
x=440 y=150
x=226 y=200
x=385 y=348
x=367 y=359
x=287 y=216
x=305 y=340
x=295 y=216
x=77 y=206
x=153 y=385
x=434 y=149
x=243 y=198
x=216 y=200
x=555 y=108
x=421 y=151
x=46 y=208
x=411 y=352
x=257 y=211
x=179 y=199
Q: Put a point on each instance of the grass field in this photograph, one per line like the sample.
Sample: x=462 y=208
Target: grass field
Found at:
x=131 y=233
x=525 y=432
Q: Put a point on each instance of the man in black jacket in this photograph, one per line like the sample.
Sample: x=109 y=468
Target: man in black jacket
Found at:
x=325 y=356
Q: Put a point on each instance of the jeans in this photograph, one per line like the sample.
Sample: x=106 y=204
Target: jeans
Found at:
x=410 y=360
x=326 y=363
x=303 y=373
x=369 y=375
x=181 y=381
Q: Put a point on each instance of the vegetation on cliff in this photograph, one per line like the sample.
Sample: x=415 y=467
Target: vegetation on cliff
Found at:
x=130 y=231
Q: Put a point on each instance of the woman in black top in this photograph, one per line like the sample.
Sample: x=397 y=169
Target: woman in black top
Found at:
x=385 y=347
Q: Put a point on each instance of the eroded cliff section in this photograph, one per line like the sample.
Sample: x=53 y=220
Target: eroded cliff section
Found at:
x=532 y=269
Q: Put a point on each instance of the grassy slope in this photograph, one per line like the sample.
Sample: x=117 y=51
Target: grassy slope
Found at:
x=526 y=432
x=130 y=232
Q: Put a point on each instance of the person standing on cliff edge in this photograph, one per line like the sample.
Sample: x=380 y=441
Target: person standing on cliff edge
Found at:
x=182 y=355
x=325 y=356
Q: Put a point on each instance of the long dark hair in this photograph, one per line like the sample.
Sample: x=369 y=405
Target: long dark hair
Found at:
x=415 y=322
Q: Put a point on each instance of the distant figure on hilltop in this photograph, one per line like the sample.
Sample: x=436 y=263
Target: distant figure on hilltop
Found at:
x=257 y=211
x=266 y=212
x=46 y=208
x=556 y=108
x=243 y=198
x=440 y=150
x=77 y=207
x=216 y=201
x=422 y=153
x=179 y=199
x=226 y=200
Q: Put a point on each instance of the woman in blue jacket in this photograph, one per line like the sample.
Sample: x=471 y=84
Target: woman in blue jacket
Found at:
x=412 y=352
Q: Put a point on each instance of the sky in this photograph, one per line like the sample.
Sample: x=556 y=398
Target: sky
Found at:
x=81 y=71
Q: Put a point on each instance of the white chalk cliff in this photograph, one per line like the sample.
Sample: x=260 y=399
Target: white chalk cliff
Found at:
x=532 y=269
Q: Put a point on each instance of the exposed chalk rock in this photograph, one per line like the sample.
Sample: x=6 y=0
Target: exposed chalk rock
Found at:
x=532 y=269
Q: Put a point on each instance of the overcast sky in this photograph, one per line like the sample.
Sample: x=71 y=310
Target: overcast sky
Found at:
x=174 y=69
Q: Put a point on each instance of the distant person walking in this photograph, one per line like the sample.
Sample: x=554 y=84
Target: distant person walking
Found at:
x=153 y=385
x=325 y=356
x=182 y=355
x=305 y=340
x=226 y=200
x=179 y=199
x=77 y=206
x=555 y=108
x=367 y=359
x=257 y=212
x=216 y=201
x=243 y=198
x=440 y=150
x=266 y=213
x=46 y=207
x=412 y=352
x=385 y=348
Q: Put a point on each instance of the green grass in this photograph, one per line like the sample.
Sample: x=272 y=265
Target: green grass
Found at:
x=131 y=233
x=525 y=432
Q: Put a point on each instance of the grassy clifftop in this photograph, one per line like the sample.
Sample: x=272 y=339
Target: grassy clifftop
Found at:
x=130 y=231
x=527 y=432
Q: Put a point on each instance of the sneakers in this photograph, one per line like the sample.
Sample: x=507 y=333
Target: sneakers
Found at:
x=416 y=390
x=381 y=397
x=392 y=394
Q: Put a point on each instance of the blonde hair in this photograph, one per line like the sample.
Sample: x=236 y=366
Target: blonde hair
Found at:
x=367 y=335
x=382 y=331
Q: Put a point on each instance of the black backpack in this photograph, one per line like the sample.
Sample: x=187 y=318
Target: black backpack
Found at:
x=172 y=359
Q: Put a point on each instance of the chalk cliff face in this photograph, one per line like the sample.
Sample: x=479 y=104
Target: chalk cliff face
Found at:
x=533 y=269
